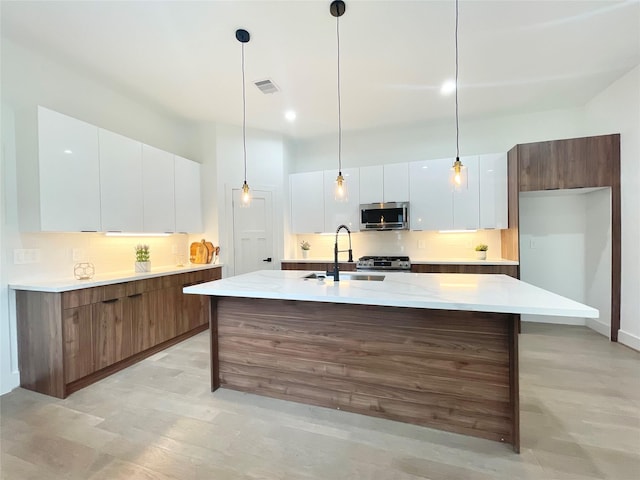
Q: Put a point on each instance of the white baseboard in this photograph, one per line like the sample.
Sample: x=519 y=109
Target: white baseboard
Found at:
x=628 y=339
x=9 y=382
x=599 y=326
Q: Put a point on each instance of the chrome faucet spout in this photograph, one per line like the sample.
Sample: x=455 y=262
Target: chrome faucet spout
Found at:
x=336 y=270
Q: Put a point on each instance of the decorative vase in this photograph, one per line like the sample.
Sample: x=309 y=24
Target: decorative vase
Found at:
x=305 y=253
x=83 y=271
x=481 y=255
x=142 y=267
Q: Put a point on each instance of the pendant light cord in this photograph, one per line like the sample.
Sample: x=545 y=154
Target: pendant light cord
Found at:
x=457 y=125
x=244 y=119
x=339 y=102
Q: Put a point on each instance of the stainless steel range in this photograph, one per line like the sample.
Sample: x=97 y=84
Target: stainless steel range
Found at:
x=383 y=264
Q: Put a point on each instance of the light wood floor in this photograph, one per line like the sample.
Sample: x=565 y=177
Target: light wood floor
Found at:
x=580 y=419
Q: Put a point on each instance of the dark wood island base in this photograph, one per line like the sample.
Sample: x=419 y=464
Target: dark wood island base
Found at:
x=445 y=369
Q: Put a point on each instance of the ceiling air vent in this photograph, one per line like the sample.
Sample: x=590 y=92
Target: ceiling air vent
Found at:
x=266 y=86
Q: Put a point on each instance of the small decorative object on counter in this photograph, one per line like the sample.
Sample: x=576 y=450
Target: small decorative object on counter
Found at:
x=83 y=271
x=202 y=252
x=481 y=251
x=143 y=263
x=305 y=246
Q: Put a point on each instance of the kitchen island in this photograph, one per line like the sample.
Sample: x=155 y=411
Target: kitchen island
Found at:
x=439 y=350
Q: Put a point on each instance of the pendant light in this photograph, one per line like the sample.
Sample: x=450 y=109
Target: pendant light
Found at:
x=337 y=9
x=458 y=170
x=243 y=37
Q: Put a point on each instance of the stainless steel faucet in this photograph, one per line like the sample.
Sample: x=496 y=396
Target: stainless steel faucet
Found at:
x=336 y=271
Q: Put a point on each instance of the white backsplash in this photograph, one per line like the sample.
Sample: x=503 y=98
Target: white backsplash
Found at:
x=108 y=254
x=416 y=245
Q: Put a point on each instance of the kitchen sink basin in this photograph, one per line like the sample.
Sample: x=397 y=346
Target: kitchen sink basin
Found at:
x=347 y=276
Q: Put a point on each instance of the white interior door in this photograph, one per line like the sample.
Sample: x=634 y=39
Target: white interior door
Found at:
x=253 y=232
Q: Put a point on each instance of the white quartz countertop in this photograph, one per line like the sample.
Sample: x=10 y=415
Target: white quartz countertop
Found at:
x=428 y=261
x=65 y=284
x=471 y=292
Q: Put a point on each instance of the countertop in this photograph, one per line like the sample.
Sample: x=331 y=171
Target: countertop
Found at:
x=69 y=283
x=428 y=261
x=470 y=292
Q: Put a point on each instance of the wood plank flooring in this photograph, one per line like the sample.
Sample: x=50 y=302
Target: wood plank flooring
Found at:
x=580 y=419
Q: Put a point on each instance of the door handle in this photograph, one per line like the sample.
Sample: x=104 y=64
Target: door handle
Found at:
x=268 y=259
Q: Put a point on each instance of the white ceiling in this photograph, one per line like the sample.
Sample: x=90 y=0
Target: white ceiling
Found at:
x=182 y=56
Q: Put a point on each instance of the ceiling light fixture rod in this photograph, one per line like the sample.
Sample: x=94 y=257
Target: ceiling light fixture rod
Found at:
x=243 y=37
x=457 y=125
x=337 y=9
x=458 y=170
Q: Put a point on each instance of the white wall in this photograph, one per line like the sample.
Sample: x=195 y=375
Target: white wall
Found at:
x=597 y=259
x=30 y=79
x=617 y=110
x=416 y=245
x=265 y=167
x=552 y=247
x=433 y=140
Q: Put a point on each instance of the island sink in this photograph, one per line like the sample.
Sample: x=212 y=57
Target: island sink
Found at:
x=347 y=276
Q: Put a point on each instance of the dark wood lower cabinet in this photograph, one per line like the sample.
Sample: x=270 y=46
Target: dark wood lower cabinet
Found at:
x=511 y=270
x=317 y=267
x=112 y=333
x=77 y=332
x=71 y=339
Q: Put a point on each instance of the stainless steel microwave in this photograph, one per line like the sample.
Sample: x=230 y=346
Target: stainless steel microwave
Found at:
x=384 y=216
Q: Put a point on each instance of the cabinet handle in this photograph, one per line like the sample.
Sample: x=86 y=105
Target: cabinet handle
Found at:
x=88 y=231
x=113 y=300
x=134 y=295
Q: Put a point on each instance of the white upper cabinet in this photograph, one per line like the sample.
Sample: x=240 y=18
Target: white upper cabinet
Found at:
x=384 y=183
x=187 y=194
x=396 y=182
x=371 y=184
x=58 y=173
x=342 y=213
x=493 y=191
x=431 y=201
x=466 y=209
x=120 y=182
x=158 y=190
x=306 y=192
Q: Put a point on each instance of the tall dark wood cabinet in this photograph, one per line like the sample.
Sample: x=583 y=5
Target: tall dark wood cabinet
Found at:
x=566 y=164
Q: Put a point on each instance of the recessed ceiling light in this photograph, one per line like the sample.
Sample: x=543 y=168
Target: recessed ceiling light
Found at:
x=68 y=152
x=290 y=115
x=448 y=87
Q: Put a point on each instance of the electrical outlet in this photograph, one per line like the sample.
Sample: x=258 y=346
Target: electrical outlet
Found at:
x=533 y=243
x=22 y=256
x=174 y=249
x=18 y=256
x=79 y=254
x=421 y=244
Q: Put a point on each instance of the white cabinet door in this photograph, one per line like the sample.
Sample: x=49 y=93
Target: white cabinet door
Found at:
x=493 y=191
x=69 y=173
x=396 y=182
x=187 y=192
x=342 y=213
x=431 y=200
x=306 y=192
x=158 y=190
x=466 y=209
x=120 y=182
x=372 y=184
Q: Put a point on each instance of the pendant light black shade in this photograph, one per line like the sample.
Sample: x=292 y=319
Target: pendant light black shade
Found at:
x=337 y=9
x=243 y=37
